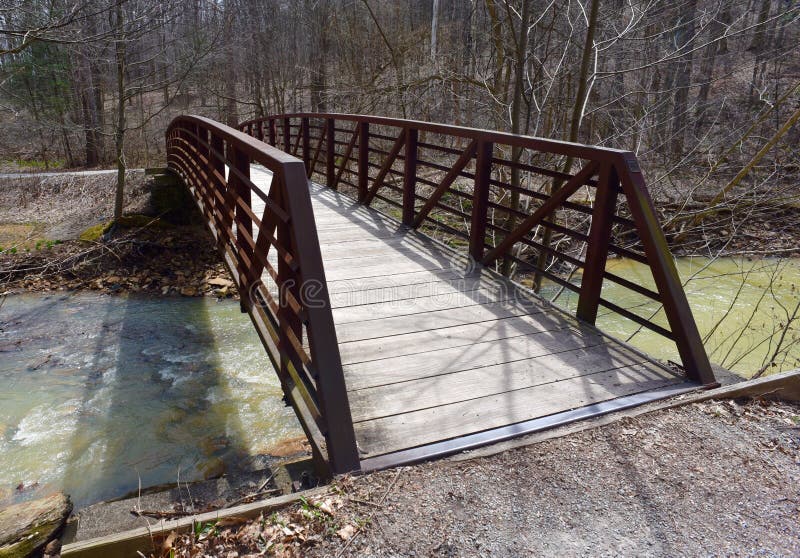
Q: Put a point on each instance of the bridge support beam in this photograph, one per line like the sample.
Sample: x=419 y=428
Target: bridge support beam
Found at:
x=480 y=203
x=605 y=204
x=676 y=306
x=410 y=176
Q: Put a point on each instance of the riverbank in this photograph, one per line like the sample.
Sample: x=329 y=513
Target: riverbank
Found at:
x=148 y=256
x=55 y=236
x=711 y=478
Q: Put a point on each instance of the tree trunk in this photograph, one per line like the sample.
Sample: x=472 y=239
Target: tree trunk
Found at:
x=578 y=110
x=119 y=131
x=684 y=38
x=434 y=27
x=715 y=29
x=517 y=100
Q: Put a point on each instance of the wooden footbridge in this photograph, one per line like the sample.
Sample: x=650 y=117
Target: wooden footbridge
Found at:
x=373 y=256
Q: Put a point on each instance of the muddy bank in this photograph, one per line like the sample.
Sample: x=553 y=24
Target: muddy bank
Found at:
x=154 y=258
x=54 y=236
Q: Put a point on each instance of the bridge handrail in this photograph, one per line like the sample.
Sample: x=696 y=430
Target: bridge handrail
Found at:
x=481 y=200
x=288 y=303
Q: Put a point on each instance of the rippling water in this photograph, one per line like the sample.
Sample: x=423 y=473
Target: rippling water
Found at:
x=741 y=306
x=101 y=393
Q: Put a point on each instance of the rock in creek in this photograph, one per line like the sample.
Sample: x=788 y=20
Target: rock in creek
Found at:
x=220 y=282
x=27 y=527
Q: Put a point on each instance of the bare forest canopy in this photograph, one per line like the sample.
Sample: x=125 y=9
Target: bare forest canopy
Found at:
x=706 y=92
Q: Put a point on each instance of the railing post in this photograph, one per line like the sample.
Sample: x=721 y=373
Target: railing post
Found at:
x=605 y=203
x=241 y=162
x=271 y=125
x=330 y=150
x=363 y=160
x=340 y=436
x=260 y=130
x=304 y=129
x=480 y=199
x=204 y=145
x=410 y=176
x=217 y=145
x=287 y=135
x=676 y=306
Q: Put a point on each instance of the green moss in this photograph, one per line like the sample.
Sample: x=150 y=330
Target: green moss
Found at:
x=140 y=221
x=32 y=541
x=93 y=234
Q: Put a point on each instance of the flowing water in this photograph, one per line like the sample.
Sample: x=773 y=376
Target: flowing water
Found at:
x=101 y=393
x=741 y=306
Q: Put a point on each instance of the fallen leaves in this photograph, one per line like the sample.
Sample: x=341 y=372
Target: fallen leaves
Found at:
x=284 y=534
x=143 y=260
x=346 y=532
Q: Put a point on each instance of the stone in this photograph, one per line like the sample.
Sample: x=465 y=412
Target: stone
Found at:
x=220 y=282
x=53 y=548
x=27 y=527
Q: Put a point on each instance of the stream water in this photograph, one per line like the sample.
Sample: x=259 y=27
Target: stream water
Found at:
x=741 y=306
x=101 y=393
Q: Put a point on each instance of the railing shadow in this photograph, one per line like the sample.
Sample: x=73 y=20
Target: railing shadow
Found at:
x=563 y=341
x=155 y=407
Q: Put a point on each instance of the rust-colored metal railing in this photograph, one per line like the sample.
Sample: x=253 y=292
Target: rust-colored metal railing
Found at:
x=287 y=300
x=507 y=202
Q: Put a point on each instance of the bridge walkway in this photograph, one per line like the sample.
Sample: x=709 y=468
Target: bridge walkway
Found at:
x=393 y=347
x=436 y=354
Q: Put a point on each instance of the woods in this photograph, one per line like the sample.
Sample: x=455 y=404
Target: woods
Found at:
x=705 y=92
x=672 y=79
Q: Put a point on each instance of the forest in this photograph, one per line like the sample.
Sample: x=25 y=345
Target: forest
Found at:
x=705 y=92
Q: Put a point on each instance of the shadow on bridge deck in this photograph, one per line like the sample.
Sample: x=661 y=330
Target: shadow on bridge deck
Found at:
x=439 y=357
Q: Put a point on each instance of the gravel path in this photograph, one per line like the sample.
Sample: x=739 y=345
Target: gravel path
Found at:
x=711 y=479
x=56 y=174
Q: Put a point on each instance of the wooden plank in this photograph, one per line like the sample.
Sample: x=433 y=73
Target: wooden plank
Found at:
x=435 y=288
x=395 y=280
x=431 y=261
x=455 y=336
x=335 y=221
x=447 y=361
x=395 y=247
x=424 y=393
x=358 y=234
x=376 y=437
x=419 y=304
x=129 y=543
x=379 y=268
x=370 y=329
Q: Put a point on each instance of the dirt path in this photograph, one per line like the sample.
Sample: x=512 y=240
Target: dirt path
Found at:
x=708 y=479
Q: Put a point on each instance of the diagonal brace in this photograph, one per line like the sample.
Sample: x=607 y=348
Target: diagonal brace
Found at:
x=546 y=208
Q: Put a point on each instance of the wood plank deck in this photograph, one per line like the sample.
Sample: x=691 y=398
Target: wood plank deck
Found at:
x=433 y=351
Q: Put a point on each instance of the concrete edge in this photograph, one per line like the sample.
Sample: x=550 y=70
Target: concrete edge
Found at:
x=783 y=386
x=129 y=543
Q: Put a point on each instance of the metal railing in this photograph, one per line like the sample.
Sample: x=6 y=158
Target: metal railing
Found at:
x=288 y=301
x=508 y=201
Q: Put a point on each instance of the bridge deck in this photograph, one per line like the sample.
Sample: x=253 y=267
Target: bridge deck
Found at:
x=438 y=358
